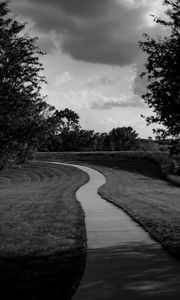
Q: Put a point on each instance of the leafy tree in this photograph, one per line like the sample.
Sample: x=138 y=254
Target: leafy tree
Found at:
x=146 y=145
x=78 y=140
x=23 y=111
x=123 y=138
x=163 y=72
x=64 y=120
x=101 y=141
x=87 y=140
x=63 y=126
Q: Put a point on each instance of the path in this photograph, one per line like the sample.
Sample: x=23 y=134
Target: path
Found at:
x=123 y=262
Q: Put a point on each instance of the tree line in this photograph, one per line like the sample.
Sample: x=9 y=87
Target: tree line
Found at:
x=28 y=123
x=67 y=135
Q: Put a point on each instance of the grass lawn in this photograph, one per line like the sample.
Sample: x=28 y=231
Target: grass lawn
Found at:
x=135 y=183
x=42 y=233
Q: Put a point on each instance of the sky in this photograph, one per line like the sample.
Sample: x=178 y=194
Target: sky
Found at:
x=93 y=58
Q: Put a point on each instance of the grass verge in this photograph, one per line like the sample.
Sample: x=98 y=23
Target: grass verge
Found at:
x=43 y=243
x=135 y=183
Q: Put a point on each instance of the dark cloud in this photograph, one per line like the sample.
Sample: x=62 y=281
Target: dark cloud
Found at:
x=99 y=31
x=81 y=8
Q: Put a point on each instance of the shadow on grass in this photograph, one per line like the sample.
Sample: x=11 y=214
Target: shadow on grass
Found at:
x=130 y=164
x=132 y=271
x=133 y=162
x=42 y=277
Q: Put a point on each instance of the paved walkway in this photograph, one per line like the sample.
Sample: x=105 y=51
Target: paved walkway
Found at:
x=123 y=262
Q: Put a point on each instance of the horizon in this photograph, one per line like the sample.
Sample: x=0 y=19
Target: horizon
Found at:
x=93 y=58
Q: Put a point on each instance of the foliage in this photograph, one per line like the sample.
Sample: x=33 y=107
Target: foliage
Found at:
x=162 y=72
x=147 y=145
x=23 y=111
x=78 y=140
x=123 y=138
x=67 y=135
x=64 y=120
x=62 y=126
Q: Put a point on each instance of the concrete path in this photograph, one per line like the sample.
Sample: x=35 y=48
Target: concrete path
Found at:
x=123 y=262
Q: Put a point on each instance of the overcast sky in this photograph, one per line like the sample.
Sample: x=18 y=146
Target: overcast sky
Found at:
x=93 y=56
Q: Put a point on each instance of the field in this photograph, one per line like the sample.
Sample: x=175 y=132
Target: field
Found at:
x=136 y=184
x=43 y=243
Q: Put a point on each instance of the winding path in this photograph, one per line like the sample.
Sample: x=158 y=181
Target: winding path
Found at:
x=123 y=261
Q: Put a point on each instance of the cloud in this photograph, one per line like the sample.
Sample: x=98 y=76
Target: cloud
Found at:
x=46 y=43
x=114 y=122
x=99 y=80
x=109 y=120
x=98 y=31
x=63 y=78
x=103 y=102
x=88 y=100
x=139 y=84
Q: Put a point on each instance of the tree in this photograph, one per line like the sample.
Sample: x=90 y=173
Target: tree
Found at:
x=64 y=120
x=87 y=140
x=23 y=111
x=101 y=141
x=62 y=128
x=123 y=138
x=163 y=73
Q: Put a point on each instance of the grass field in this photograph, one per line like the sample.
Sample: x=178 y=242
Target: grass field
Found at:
x=42 y=249
x=135 y=183
x=43 y=243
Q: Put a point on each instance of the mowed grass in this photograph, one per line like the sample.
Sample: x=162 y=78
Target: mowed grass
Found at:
x=135 y=183
x=42 y=232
